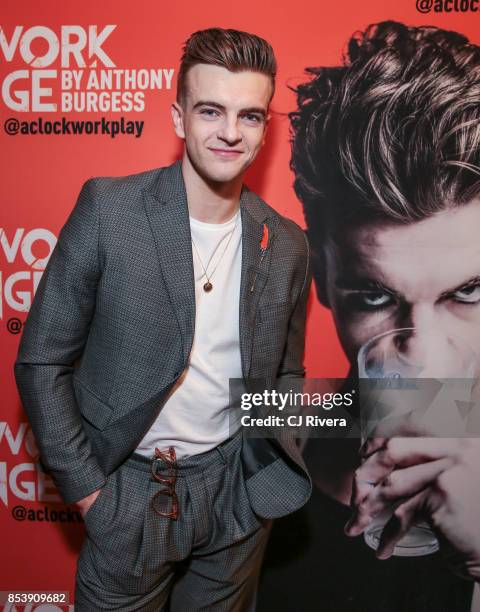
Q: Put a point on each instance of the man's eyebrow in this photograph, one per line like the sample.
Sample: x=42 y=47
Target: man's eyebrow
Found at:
x=255 y=109
x=363 y=284
x=252 y=109
x=208 y=103
x=469 y=283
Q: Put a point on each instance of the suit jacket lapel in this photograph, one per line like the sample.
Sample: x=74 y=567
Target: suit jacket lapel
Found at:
x=167 y=210
x=254 y=214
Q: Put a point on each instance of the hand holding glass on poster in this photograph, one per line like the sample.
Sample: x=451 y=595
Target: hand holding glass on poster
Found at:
x=412 y=384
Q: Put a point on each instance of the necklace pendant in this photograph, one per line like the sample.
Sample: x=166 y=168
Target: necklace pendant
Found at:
x=207 y=286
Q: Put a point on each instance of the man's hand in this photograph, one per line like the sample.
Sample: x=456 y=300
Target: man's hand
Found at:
x=85 y=503
x=433 y=478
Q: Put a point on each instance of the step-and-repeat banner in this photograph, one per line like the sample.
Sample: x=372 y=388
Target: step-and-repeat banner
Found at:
x=86 y=89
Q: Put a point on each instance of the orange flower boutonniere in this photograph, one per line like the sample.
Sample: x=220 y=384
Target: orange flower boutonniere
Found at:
x=263 y=247
x=264 y=241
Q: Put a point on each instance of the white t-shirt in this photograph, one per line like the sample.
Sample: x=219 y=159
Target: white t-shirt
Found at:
x=195 y=417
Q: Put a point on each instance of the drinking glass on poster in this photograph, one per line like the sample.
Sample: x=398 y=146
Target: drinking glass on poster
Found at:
x=412 y=381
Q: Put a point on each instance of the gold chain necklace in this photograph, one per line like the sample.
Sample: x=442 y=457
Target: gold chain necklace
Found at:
x=207 y=287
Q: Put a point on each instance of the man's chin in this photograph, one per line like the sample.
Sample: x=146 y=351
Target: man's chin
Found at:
x=223 y=175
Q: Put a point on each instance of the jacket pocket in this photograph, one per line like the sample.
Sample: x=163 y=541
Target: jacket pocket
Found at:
x=92 y=408
x=270 y=335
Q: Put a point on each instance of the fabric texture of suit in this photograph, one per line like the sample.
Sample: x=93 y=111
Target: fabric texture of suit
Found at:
x=111 y=328
x=208 y=559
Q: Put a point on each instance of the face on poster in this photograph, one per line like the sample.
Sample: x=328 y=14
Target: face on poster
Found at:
x=87 y=91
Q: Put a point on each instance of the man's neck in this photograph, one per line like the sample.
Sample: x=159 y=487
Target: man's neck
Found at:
x=208 y=201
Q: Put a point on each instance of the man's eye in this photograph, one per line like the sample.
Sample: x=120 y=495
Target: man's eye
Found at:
x=375 y=299
x=369 y=300
x=209 y=112
x=252 y=118
x=468 y=295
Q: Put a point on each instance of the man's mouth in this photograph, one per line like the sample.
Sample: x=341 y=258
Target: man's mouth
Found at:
x=225 y=152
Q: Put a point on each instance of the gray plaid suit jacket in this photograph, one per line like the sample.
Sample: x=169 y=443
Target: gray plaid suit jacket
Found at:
x=111 y=328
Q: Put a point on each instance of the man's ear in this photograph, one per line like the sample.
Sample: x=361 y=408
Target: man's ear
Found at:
x=267 y=123
x=177 y=118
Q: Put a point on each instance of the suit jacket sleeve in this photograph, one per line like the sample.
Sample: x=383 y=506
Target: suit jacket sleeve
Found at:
x=291 y=365
x=54 y=335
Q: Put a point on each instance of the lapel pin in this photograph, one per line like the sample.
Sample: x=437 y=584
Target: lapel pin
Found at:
x=264 y=241
x=263 y=248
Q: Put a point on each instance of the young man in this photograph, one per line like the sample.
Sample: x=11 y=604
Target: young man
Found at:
x=386 y=155
x=163 y=286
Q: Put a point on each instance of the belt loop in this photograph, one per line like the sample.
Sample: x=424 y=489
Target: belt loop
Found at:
x=221 y=452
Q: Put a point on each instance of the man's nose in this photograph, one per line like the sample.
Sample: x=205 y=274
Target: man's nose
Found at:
x=429 y=340
x=422 y=316
x=229 y=131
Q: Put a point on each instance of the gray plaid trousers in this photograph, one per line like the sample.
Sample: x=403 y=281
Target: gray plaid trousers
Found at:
x=208 y=559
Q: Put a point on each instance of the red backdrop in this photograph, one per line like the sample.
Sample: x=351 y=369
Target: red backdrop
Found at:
x=43 y=173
